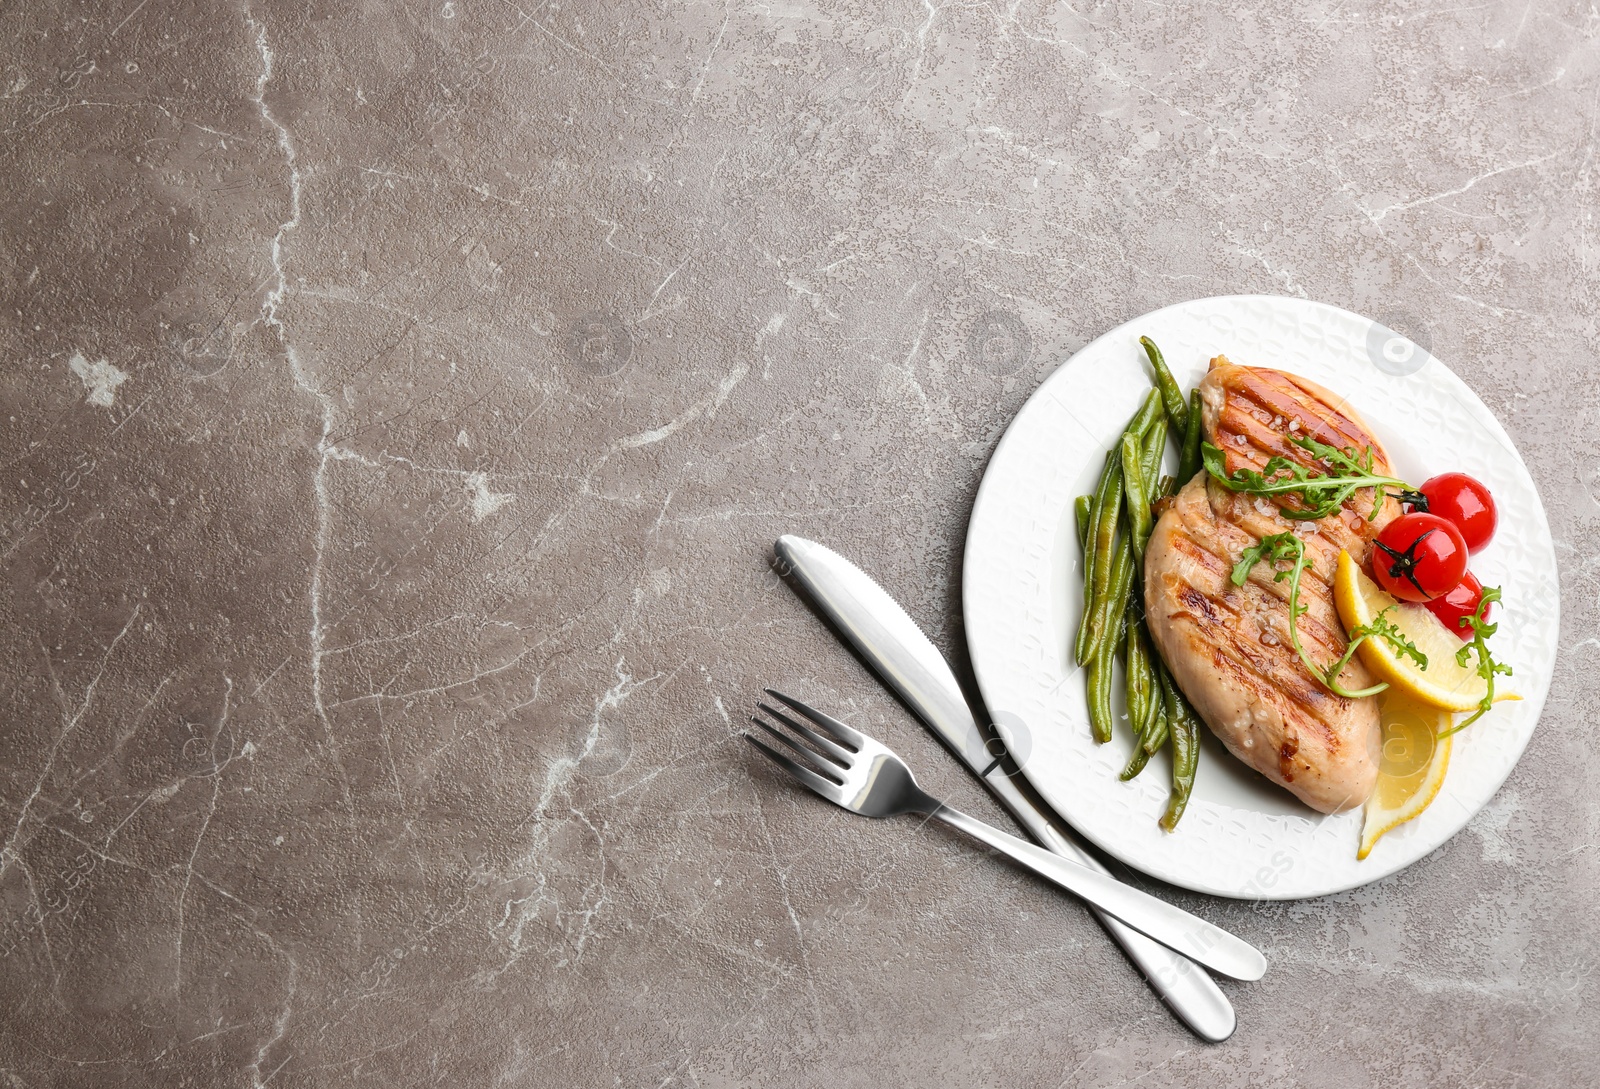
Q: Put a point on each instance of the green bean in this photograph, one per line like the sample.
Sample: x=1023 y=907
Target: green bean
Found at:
x=1114 y=601
x=1159 y=732
x=1109 y=569
x=1113 y=527
x=1144 y=703
x=1136 y=763
x=1096 y=498
x=1148 y=456
x=1141 y=429
x=1099 y=682
x=1155 y=445
x=1189 y=460
x=1107 y=508
x=1083 y=520
x=1185 y=758
x=1137 y=678
x=1148 y=430
x=1133 y=486
x=1083 y=516
x=1169 y=706
x=1154 y=729
x=1099 y=689
x=1171 y=392
x=1149 y=411
x=1172 y=695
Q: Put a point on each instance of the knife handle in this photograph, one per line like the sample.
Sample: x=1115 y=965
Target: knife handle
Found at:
x=1183 y=985
x=1186 y=987
x=1200 y=940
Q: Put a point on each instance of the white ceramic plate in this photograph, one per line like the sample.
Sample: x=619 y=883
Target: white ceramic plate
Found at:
x=1242 y=836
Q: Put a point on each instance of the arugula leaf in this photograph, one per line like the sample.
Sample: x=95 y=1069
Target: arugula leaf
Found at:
x=1281 y=548
x=1488 y=668
x=1389 y=633
x=1321 y=493
x=1380 y=628
x=1276 y=549
x=1216 y=463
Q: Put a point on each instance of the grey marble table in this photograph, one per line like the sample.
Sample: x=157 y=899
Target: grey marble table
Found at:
x=400 y=401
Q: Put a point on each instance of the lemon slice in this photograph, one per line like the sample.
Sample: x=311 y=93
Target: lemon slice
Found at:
x=1443 y=684
x=1412 y=765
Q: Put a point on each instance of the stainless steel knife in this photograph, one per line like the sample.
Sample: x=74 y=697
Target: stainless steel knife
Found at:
x=905 y=658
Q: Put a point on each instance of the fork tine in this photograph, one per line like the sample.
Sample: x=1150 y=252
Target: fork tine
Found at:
x=827 y=722
x=839 y=753
x=817 y=783
x=809 y=758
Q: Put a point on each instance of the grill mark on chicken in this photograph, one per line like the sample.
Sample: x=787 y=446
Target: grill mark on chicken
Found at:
x=1286 y=753
x=1227 y=619
x=1222 y=621
x=1253 y=425
x=1265 y=690
x=1199 y=604
x=1228 y=646
x=1320 y=628
x=1262 y=404
x=1242 y=617
x=1203 y=557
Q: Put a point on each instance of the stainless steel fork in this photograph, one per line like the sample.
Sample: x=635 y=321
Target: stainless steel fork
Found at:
x=852 y=770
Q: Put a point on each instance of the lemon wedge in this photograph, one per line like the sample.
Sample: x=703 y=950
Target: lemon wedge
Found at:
x=1412 y=765
x=1443 y=684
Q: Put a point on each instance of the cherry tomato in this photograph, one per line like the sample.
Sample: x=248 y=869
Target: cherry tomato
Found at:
x=1453 y=608
x=1465 y=502
x=1419 y=557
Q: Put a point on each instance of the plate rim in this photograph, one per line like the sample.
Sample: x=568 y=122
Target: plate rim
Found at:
x=1535 y=700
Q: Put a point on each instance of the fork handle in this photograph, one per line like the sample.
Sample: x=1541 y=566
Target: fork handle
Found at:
x=1200 y=941
x=1185 y=986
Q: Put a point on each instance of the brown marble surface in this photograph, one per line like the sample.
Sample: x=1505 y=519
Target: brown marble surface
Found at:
x=399 y=403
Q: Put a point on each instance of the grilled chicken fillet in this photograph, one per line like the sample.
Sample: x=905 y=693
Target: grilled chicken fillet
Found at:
x=1228 y=646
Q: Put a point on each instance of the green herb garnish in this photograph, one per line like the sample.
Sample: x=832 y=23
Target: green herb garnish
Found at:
x=1281 y=548
x=1380 y=628
x=1322 y=493
x=1488 y=668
